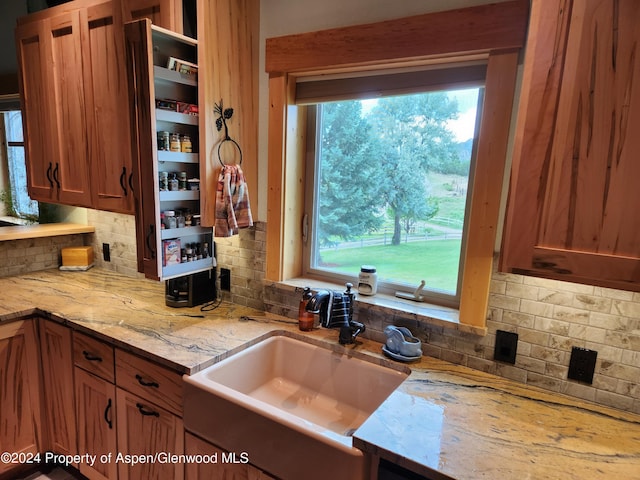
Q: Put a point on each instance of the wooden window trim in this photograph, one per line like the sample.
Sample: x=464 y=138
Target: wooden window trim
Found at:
x=494 y=32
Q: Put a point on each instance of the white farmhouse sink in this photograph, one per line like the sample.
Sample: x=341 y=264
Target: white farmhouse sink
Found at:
x=291 y=405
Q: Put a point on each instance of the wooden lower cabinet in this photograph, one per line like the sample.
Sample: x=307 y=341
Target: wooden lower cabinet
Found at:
x=218 y=469
x=57 y=380
x=20 y=394
x=96 y=401
x=146 y=429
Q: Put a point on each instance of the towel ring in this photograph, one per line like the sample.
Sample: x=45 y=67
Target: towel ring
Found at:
x=229 y=139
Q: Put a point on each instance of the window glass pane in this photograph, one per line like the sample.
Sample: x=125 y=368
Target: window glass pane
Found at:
x=13 y=126
x=23 y=206
x=391 y=187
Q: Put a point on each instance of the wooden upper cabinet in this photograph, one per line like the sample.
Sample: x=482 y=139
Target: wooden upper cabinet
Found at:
x=68 y=120
x=30 y=40
x=105 y=81
x=163 y=13
x=573 y=206
x=73 y=83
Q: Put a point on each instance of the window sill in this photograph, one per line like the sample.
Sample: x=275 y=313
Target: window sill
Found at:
x=421 y=311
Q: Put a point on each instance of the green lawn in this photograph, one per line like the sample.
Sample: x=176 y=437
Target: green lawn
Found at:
x=435 y=261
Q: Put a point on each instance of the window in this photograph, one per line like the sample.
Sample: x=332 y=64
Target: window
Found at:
x=493 y=34
x=391 y=177
x=16 y=198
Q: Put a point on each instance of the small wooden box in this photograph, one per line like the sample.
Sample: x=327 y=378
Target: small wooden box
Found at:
x=77 y=256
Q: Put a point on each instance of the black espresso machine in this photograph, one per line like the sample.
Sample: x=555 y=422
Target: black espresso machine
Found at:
x=191 y=290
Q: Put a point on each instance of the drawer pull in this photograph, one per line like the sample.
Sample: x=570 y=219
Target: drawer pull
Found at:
x=145 y=412
x=107 y=416
x=142 y=382
x=91 y=357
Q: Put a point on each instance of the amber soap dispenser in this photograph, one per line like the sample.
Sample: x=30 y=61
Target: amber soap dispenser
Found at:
x=305 y=319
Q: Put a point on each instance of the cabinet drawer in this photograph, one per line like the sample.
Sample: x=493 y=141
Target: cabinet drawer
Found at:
x=93 y=356
x=152 y=382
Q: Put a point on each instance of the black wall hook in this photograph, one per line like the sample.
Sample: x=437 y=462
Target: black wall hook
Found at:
x=224 y=115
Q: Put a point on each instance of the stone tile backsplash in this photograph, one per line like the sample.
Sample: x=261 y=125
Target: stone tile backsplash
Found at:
x=33 y=254
x=245 y=256
x=119 y=231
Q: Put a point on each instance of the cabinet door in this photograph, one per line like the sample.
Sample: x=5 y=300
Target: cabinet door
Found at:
x=34 y=91
x=96 y=400
x=143 y=143
x=220 y=468
x=573 y=200
x=57 y=369
x=145 y=429
x=68 y=119
x=164 y=13
x=20 y=416
x=105 y=80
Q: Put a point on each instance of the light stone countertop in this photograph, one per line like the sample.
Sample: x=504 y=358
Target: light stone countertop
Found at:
x=444 y=421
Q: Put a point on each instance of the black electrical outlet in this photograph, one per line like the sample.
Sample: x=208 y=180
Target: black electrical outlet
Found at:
x=506 y=346
x=582 y=364
x=225 y=279
x=106 y=252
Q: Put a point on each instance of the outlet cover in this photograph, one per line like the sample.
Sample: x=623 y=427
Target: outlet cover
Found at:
x=582 y=364
x=225 y=279
x=506 y=347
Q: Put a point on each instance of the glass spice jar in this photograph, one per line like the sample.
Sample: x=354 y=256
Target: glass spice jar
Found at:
x=170 y=219
x=173 y=182
x=182 y=181
x=164 y=181
x=174 y=145
x=185 y=144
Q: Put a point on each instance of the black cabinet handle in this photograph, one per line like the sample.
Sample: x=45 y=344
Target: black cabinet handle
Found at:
x=49 y=174
x=91 y=357
x=131 y=182
x=144 y=383
x=123 y=178
x=149 y=246
x=145 y=412
x=55 y=175
x=107 y=416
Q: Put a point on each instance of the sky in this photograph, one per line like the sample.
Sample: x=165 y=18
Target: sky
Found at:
x=463 y=127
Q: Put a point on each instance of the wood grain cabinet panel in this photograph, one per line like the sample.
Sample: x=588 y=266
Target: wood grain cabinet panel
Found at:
x=57 y=381
x=94 y=356
x=96 y=401
x=33 y=81
x=20 y=398
x=156 y=384
x=164 y=13
x=105 y=81
x=68 y=120
x=572 y=212
x=146 y=429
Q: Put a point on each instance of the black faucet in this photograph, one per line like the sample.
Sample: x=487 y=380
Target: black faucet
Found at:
x=336 y=311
